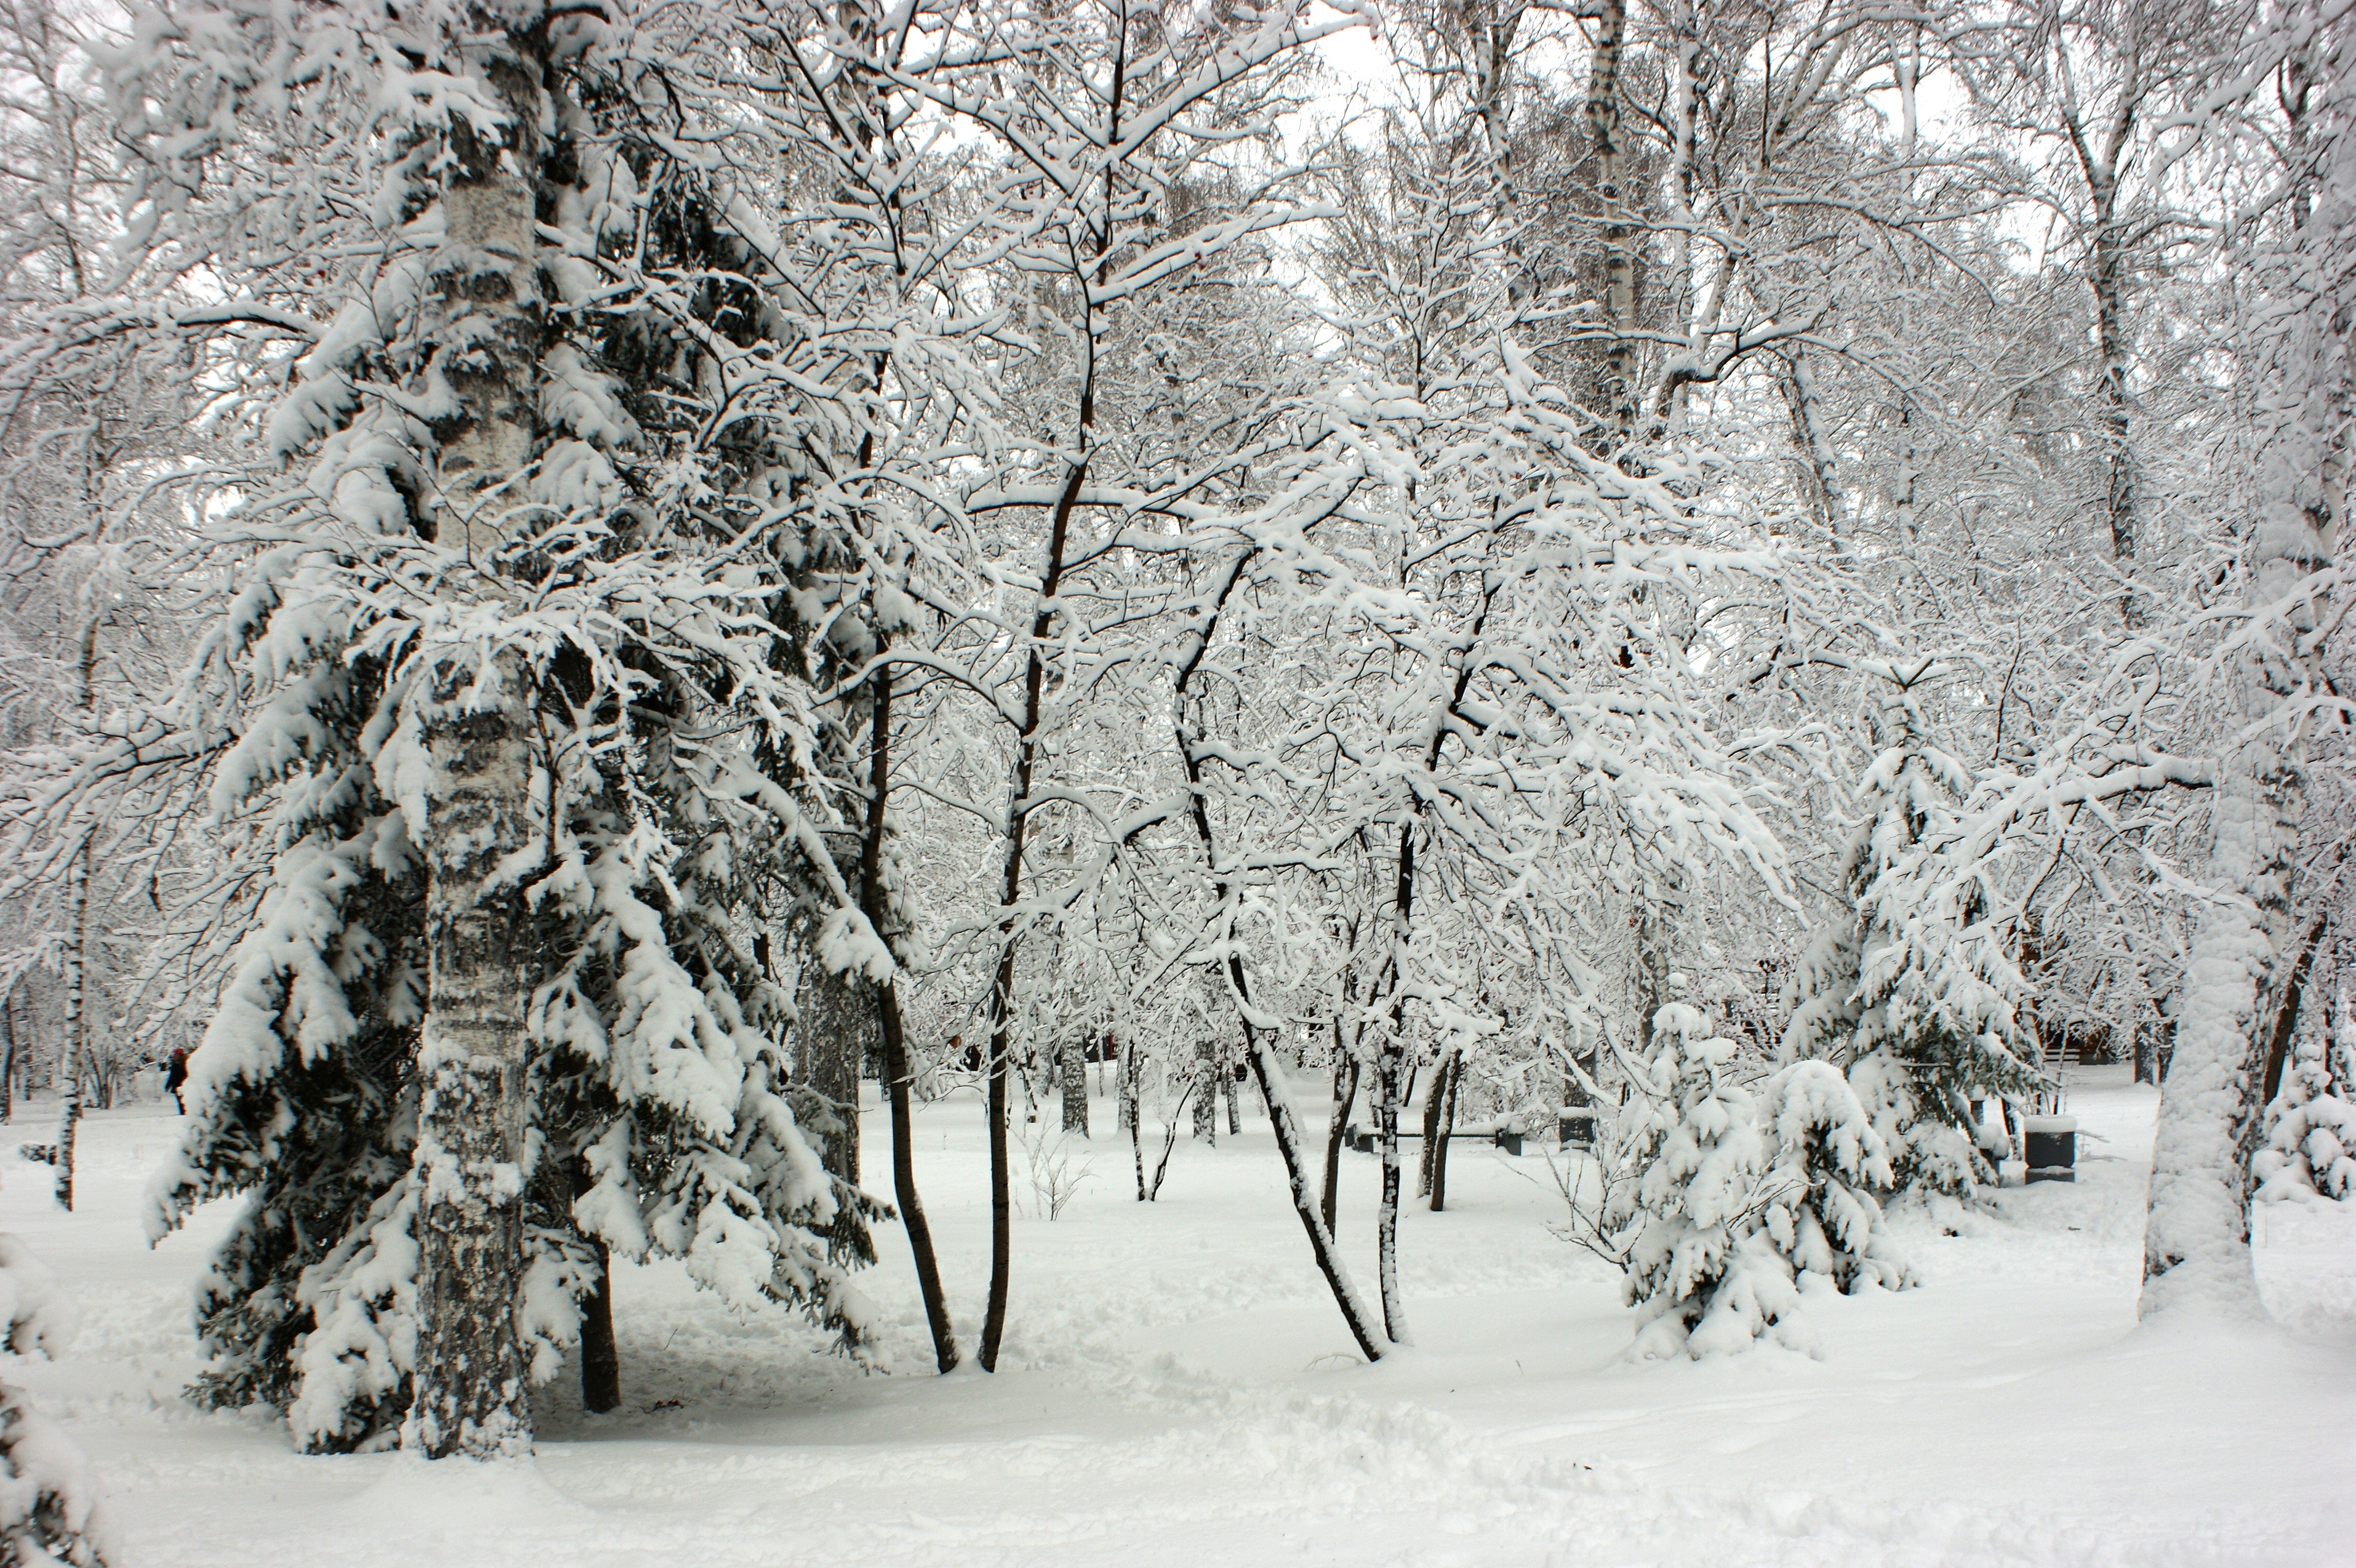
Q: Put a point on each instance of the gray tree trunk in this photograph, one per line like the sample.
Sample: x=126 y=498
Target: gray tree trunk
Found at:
x=1206 y=1091
x=840 y=1024
x=1076 y=1084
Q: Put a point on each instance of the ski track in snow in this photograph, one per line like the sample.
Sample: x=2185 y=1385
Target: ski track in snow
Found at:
x=1175 y=1388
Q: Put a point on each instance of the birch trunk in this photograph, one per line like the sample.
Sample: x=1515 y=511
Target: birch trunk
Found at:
x=76 y=975
x=472 y=1398
x=1619 y=301
x=1076 y=1085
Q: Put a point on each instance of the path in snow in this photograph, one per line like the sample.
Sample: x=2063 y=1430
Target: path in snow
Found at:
x=1176 y=1390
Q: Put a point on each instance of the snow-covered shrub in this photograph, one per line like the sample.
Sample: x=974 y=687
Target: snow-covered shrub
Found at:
x=48 y=1508
x=1830 y=1159
x=1912 y=992
x=2311 y=1147
x=1741 y=1191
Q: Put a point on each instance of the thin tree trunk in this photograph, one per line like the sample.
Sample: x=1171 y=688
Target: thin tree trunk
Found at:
x=1434 y=1105
x=1227 y=1089
x=1388 y=1087
x=77 y=979
x=1444 y=1133
x=472 y=1394
x=78 y=873
x=1261 y=1054
x=2106 y=267
x=896 y=1070
x=1343 y=1099
x=9 y=1062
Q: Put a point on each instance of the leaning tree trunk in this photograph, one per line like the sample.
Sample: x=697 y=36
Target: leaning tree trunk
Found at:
x=472 y=1396
x=1260 y=1052
x=1443 y=1130
x=1435 y=1106
x=1346 y=1094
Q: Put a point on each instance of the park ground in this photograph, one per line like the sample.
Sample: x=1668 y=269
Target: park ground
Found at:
x=1176 y=1388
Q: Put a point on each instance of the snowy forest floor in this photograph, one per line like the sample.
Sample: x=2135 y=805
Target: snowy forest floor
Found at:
x=1176 y=1388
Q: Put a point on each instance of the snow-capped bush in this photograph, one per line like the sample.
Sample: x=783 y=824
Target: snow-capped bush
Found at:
x=2311 y=1148
x=1740 y=1192
x=49 y=1510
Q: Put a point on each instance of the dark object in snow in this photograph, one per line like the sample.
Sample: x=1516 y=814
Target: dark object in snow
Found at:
x=1574 y=1128
x=39 y=1153
x=2051 y=1147
x=174 y=1076
x=1509 y=1141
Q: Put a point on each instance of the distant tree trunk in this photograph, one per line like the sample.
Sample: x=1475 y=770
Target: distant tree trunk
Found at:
x=1076 y=1085
x=1124 y=1080
x=1206 y=1097
x=1227 y=1072
x=1444 y=1133
x=1434 y=1106
x=839 y=1011
x=601 y=1359
x=2105 y=274
x=1346 y=1094
x=8 y=1061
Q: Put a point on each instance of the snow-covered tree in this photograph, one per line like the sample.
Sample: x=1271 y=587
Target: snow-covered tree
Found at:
x=489 y=700
x=1734 y=1194
x=1916 y=1000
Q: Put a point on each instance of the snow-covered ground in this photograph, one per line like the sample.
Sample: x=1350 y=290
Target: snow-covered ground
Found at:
x=1176 y=1390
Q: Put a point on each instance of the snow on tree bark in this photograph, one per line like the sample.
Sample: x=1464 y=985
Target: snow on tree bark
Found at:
x=472 y=1395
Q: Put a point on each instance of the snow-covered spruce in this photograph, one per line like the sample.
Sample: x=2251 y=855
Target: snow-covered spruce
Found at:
x=608 y=607
x=2310 y=1146
x=1740 y=1192
x=1913 y=994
